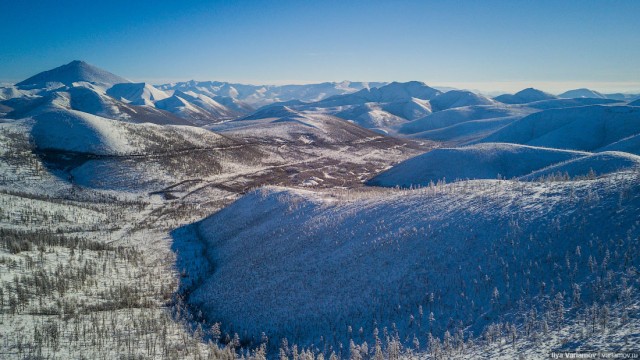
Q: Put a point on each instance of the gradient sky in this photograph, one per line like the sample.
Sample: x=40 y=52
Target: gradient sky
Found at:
x=487 y=45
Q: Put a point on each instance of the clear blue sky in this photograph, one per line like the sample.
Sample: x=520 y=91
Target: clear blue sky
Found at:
x=488 y=45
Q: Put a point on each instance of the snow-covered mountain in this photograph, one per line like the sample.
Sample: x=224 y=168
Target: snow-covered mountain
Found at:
x=394 y=92
x=283 y=124
x=89 y=99
x=199 y=109
x=525 y=96
x=582 y=93
x=458 y=98
x=136 y=94
x=84 y=87
x=70 y=73
x=586 y=128
x=260 y=95
x=381 y=109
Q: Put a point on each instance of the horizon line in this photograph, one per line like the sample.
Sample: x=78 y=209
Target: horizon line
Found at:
x=509 y=86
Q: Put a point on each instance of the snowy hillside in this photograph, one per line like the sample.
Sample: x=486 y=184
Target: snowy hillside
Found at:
x=584 y=128
x=459 y=115
x=283 y=124
x=292 y=263
x=589 y=166
x=74 y=71
x=75 y=131
x=483 y=161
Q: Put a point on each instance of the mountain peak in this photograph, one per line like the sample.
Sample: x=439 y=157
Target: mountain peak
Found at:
x=78 y=62
x=582 y=93
x=75 y=71
x=525 y=96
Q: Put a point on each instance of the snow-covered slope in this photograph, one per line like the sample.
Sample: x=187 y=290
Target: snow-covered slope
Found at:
x=629 y=144
x=483 y=161
x=79 y=132
x=581 y=93
x=409 y=110
x=458 y=98
x=216 y=110
x=567 y=103
x=589 y=166
x=315 y=268
x=136 y=93
x=459 y=115
x=236 y=105
x=72 y=72
x=178 y=106
x=524 y=96
x=465 y=132
x=75 y=131
x=582 y=128
x=378 y=116
x=283 y=124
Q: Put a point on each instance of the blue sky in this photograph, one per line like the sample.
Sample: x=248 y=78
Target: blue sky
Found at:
x=486 y=45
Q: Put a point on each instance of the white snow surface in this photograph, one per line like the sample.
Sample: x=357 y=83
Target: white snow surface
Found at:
x=483 y=161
